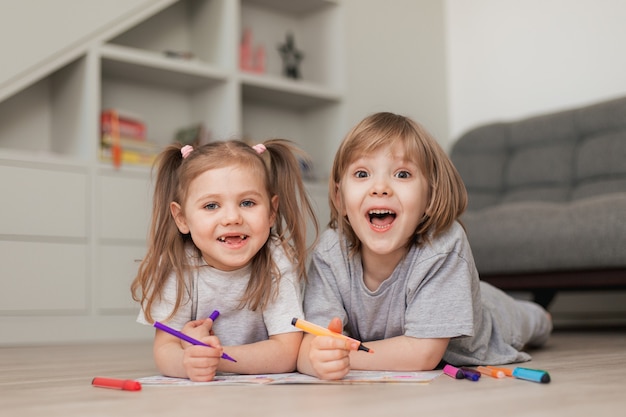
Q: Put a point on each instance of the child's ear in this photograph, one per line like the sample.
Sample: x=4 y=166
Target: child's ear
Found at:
x=177 y=214
x=274 y=206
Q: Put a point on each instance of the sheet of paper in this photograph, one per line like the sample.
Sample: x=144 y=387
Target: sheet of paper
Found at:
x=354 y=377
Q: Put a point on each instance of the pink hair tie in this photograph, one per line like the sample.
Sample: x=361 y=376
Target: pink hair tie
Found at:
x=186 y=150
x=259 y=148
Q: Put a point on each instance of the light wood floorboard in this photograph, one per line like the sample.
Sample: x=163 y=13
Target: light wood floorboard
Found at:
x=588 y=370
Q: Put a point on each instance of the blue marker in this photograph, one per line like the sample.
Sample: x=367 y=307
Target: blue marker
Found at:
x=535 y=375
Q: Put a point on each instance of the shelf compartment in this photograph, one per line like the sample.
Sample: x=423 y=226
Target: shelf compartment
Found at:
x=50 y=117
x=168 y=94
x=199 y=27
x=316 y=29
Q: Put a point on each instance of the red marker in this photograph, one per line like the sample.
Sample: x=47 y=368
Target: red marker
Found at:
x=123 y=384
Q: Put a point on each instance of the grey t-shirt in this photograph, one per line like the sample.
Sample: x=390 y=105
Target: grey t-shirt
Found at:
x=222 y=291
x=434 y=292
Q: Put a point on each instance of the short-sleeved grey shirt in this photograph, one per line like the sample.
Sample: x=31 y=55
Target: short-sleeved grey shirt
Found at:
x=434 y=292
x=222 y=291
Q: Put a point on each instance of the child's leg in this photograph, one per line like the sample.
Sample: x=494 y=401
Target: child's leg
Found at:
x=536 y=322
x=524 y=323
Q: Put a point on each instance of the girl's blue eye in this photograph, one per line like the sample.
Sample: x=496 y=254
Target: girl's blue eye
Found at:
x=403 y=174
x=247 y=203
x=361 y=174
x=211 y=206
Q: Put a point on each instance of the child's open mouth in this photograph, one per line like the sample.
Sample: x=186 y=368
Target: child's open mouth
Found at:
x=381 y=217
x=233 y=239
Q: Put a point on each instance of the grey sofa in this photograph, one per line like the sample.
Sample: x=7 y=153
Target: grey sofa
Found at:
x=547 y=200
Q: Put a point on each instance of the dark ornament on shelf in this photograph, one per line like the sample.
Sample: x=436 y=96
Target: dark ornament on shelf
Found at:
x=291 y=58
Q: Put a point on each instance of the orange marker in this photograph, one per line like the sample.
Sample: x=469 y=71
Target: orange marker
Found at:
x=492 y=372
x=505 y=371
x=323 y=331
x=116 y=148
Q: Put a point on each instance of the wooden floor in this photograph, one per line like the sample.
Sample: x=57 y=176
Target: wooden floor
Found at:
x=588 y=370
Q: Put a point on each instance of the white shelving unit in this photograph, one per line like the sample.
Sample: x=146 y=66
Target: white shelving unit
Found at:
x=73 y=226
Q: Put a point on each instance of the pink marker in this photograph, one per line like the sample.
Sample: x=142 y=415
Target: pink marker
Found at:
x=453 y=371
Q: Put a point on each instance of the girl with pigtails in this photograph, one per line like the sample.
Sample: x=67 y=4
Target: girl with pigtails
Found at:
x=228 y=234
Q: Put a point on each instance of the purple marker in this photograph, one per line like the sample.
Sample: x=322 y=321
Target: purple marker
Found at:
x=470 y=373
x=186 y=338
x=214 y=315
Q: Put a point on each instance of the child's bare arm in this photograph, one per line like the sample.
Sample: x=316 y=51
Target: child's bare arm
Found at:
x=332 y=358
x=278 y=354
x=401 y=353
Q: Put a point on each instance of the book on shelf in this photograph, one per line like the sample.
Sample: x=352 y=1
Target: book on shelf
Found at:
x=131 y=151
x=129 y=143
x=123 y=139
x=127 y=124
x=129 y=157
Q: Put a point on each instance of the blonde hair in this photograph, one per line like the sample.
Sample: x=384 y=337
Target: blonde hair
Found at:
x=447 y=196
x=279 y=168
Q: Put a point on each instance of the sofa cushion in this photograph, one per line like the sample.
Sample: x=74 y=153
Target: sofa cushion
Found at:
x=542 y=236
x=601 y=164
x=531 y=171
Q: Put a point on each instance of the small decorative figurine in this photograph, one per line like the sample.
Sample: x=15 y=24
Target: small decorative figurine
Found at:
x=291 y=57
x=249 y=60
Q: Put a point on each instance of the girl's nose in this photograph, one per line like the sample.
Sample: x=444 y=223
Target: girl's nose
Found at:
x=232 y=216
x=380 y=188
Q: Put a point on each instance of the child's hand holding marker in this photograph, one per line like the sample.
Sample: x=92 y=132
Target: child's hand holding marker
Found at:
x=200 y=328
x=330 y=352
x=316 y=330
x=200 y=363
x=190 y=339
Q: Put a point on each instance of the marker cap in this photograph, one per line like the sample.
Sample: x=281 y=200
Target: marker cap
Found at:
x=453 y=371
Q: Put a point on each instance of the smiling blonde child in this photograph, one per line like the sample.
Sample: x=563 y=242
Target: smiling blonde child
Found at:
x=228 y=233
x=395 y=269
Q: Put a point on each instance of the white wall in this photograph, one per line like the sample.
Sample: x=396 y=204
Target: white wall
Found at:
x=395 y=61
x=508 y=59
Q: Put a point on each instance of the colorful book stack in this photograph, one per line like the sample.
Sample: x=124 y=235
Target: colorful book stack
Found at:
x=123 y=140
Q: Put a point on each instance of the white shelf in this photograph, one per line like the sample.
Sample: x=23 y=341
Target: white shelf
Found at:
x=157 y=69
x=298 y=7
x=286 y=92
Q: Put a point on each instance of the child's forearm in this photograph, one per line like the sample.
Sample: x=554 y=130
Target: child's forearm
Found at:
x=402 y=353
x=168 y=358
x=276 y=355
